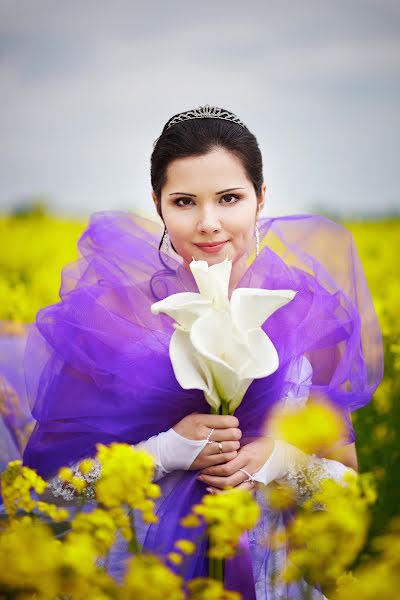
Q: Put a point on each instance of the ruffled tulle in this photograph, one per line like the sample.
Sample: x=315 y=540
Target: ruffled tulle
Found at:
x=97 y=364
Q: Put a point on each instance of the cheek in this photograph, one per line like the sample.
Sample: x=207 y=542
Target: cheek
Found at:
x=180 y=230
x=243 y=226
x=176 y=225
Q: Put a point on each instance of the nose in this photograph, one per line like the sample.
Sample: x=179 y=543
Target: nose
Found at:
x=209 y=221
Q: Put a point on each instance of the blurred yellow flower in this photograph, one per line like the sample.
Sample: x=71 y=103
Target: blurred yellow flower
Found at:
x=86 y=465
x=148 y=578
x=16 y=484
x=190 y=521
x=185 y=546
x=99 y=525
x=204 y=588
x=315 y=428
x=126 y=479
x=380 y=576
x=227 y=516
x=175 y=558
x=66 y=474
x=280 y=497
x=29 y=558
x=328 y=533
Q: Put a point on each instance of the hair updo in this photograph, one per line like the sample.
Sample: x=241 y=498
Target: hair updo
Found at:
x=196 y=137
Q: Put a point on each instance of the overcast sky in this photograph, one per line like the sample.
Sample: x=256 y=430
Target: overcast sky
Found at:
x=86 y=87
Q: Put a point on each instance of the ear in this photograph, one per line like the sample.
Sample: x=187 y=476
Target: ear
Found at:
x=261 y=198
x=156 y=204
x=155 y=200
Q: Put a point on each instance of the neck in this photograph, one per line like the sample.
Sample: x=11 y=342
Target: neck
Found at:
x=238 y=270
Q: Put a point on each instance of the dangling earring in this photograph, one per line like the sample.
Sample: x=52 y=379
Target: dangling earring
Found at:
x=165 y=242
x=257 y=235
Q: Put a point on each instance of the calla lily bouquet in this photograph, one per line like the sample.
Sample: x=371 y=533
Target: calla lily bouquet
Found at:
x=218 y=345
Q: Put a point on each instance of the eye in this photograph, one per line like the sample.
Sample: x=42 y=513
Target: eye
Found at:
x=185 y=201
x=234 y=198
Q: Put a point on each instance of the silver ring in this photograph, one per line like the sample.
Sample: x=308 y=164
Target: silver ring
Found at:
x=220 y=447
x=209 y=441
x=250 y=477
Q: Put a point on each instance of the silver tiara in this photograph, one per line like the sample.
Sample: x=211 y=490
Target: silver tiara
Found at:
x=206 y=112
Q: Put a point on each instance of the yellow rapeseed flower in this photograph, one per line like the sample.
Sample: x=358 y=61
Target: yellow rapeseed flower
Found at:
x=99 y=525
x=122 y=522
x=204 y=588
x=66 y=474
x=315 y=428
x=86 y=465
x=148 y=578
x=51 y=510
x=175 y=558
x=227 y=516
x=126 y=479
x=190 y=521
x=280 y=497
x=80 y=577
x=78 y=483
x=29 y=558
x=380 y=576
x=34 y=564
x=185 y=546
x=328 y=533
x=17 y=483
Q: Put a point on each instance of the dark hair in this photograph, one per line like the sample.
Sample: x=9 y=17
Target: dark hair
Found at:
x=196 y=137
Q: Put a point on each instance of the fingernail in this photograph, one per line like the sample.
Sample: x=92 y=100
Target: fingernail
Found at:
x=210 y=490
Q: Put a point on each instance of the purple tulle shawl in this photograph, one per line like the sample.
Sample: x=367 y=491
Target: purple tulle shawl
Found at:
x=97 y=364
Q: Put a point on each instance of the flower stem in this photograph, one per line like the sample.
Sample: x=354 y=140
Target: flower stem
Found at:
x=216 y=569
x=134 y=545
x=225 y=408
x=216 y=566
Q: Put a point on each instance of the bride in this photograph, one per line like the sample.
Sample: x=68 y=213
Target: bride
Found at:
x=97 y=363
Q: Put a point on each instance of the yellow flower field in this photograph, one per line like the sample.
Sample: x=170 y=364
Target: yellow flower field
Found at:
x=36 y=247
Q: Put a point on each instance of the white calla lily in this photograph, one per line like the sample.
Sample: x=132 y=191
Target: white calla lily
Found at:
x=218 y=345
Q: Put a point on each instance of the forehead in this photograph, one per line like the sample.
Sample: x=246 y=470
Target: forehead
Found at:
x=218 y=167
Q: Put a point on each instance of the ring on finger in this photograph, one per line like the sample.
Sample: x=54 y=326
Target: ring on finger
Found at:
x=209 y=440
x=250 y=477
x=220 y=447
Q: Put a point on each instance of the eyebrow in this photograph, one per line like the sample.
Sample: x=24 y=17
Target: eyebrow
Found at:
x=216 y=193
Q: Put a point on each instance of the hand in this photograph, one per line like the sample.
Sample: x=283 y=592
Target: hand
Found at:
x=197 y=426
x=251 y=457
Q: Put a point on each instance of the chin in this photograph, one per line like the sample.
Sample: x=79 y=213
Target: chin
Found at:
x=212 y=259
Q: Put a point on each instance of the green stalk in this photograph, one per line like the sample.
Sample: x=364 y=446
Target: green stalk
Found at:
x=211 y=568
x=224 y=408
x=134 y=545
x=220 y=568
x=216 y=569
x=216 y=566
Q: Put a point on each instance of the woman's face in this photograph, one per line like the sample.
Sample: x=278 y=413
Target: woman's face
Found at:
x=206 y=200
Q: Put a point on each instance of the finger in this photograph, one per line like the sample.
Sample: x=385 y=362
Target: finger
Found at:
x=219 y=421
x=228 y=468
x=221 y=435
x=213 y=449
x=212 y=490
x=246 y=485
x=219 y=459
x=223 y=482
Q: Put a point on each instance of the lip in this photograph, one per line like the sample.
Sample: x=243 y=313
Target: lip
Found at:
x=212 y=246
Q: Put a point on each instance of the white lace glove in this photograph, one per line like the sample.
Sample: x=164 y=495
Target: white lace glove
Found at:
x=291 y=466
x=171 y=451
x=287 y=463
